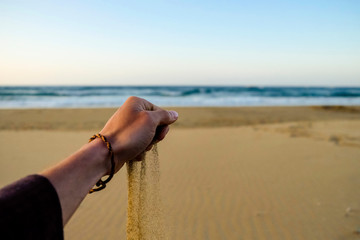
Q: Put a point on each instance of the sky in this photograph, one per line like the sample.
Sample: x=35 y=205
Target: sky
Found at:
x=205 y=42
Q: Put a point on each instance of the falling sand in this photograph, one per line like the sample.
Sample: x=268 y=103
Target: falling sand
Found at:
x=144 y=220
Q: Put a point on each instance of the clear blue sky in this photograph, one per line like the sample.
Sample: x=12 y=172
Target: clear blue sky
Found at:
x=180 y=42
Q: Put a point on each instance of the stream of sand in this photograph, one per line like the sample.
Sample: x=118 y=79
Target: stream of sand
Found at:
x=144 y=220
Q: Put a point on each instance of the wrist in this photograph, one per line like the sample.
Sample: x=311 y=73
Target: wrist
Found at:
x=99 y=157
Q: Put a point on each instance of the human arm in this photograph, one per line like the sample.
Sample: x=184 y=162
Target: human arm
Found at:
x=133 y=129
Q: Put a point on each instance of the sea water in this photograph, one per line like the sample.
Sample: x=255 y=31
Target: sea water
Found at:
x=114 y=96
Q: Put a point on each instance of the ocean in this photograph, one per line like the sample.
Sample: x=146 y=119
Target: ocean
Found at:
x=114 y=96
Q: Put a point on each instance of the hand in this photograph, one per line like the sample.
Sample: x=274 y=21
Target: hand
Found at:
x=135 y=127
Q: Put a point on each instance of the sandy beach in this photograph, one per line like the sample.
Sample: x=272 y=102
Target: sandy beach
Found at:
x=226 y=173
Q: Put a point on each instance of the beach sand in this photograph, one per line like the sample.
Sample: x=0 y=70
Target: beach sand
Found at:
x=226 y=173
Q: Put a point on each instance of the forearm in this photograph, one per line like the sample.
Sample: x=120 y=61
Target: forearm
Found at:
x=76 y=175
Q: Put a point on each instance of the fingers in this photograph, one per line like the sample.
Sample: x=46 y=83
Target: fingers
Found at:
x=160 y=135
x=159 y=115
x=163 y=117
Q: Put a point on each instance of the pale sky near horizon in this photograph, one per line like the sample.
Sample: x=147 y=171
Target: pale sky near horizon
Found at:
x=175 y=42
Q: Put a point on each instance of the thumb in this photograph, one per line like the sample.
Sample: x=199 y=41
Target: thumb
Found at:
x=163 y=117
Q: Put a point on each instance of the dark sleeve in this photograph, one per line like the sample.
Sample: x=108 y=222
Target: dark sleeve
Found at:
x=30 y=209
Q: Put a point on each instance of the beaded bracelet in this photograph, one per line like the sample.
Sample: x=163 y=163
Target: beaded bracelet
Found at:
x=101 y=184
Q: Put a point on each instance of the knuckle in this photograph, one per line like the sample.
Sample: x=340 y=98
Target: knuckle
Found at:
x=132 y=98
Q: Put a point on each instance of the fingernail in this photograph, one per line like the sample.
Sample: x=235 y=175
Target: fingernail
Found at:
x=174 y=114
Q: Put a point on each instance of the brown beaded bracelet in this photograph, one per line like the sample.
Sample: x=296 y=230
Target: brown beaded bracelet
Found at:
x=101 y=184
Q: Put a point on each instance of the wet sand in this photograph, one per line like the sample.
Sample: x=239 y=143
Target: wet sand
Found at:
x=226 y=173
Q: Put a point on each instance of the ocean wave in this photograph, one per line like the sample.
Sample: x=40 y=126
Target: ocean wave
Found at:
x=83 y=96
